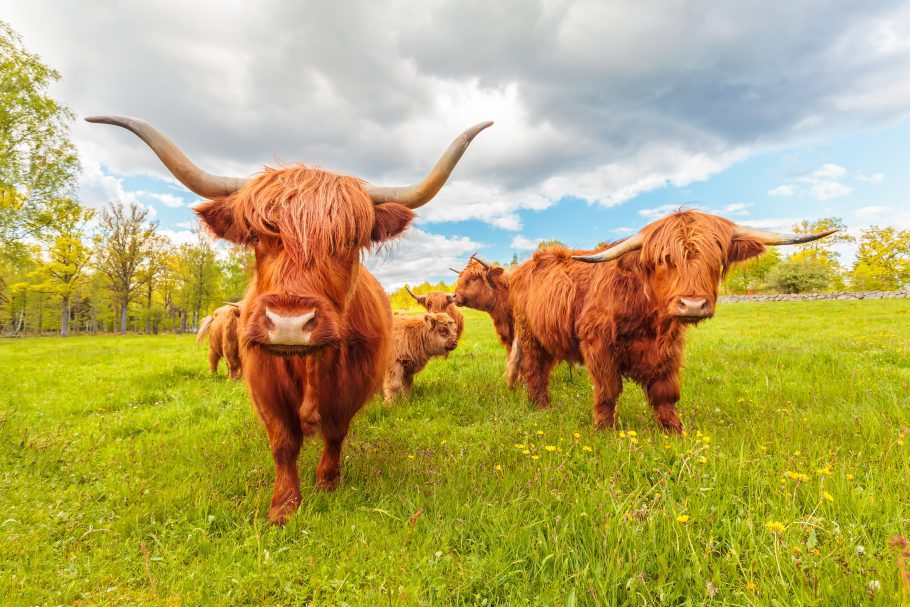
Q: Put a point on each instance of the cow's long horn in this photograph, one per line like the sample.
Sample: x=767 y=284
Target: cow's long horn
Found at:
x=456 y=271
x=485 y=264
x=414 y=196
x=195 y=179
x=232 y=303
x=619 y=249
x=777 y=238
x=416 y=298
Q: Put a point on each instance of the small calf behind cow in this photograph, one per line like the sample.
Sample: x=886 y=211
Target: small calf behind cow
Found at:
x=416 y=340
x=440 y=301
x=222 y=327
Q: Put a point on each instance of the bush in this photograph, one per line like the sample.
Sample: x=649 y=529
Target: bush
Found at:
x=800 y=276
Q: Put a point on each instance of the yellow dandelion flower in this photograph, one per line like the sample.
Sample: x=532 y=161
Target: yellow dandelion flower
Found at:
x=775 y=527
x=539 y=433
x=850 y=477
x=576 y=435
x=658 y=494
x=526 y=452
x=550 y=448
x=825 y=471
x=682 y=518
x=520 y=446
x=703 y=460
x=762 y=448
x=633 y=440
x=797 y=550
x=816 y=551
x=666 y=445
x=443 y=441
x=622 y=435
x=797 y=476
x=797 y=452
x=587 y=448
x=900 y=443
x=827 y=496
x=632 y=433
x=559 y=449
x=751 y=587
x=411 y=456
x=535 y=457
x=685 y=434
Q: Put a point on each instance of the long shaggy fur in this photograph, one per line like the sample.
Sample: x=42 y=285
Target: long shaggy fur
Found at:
x=616 y=317
x=416 y=339
x=439 y=302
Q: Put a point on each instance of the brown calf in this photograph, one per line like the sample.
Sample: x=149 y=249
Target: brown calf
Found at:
x=439 y=301
x=222 y=327
x=417 y=340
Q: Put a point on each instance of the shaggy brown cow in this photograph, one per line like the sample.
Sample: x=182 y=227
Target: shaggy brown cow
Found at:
x=222 y=327
x=438 y=301
x=315 y=334
x=485 y=287
x=625 y=312
x=417 y=340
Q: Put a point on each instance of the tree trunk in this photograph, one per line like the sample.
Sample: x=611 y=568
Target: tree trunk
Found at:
x=123 y=310
x=65 y=318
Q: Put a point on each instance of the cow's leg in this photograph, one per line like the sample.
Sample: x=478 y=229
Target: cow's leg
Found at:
x=407 y=380
x=391 y=384
x=214 y=357
x=607 y=385
x=536 y=366
x=513 y=363
x=285 y=437
x=334 y=431
x=663 y=393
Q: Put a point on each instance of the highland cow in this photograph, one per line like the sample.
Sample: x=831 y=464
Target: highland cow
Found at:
x=222 y=328
x=315 y=333
x=482 y=286
x=417 y=340
x=439 y=301
x=625 y=312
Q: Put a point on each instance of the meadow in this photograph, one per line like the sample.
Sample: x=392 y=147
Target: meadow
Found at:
x=131 y=476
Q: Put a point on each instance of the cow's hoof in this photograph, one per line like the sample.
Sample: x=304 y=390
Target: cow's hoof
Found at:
x=279 y=515
x=605 y=423
x=329 y=483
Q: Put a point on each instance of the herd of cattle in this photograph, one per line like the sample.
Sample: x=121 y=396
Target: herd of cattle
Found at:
x=314 y=336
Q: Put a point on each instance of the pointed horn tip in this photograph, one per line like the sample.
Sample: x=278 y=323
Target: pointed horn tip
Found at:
x=586 y=258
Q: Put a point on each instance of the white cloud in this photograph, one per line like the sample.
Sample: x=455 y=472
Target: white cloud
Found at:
x=826 y=190
x=169 y=200
x=826 y=171
x=787 y=189
x=873 y=178
x=521 y=243
x=418 y=256
x=622 y=230
x=179 y=237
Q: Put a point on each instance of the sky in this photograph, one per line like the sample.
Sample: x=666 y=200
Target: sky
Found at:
x=607 y=115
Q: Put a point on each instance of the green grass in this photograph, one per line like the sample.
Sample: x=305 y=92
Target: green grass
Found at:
x=129 y=475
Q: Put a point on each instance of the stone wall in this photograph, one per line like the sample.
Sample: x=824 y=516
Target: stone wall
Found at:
x=811 y=296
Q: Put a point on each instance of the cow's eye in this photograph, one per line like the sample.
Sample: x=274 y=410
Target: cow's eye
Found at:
x=253 y=238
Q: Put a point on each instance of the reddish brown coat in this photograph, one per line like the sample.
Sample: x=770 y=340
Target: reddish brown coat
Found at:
x=441 y=302
x=616 y=317
x=417 y=339
x=222 y=328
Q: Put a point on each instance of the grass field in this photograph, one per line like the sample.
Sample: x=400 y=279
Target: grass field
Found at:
x=132 y=476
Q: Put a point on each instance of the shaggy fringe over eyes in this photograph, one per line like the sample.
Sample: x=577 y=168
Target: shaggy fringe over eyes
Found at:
x=314 y=212
x=685 y=236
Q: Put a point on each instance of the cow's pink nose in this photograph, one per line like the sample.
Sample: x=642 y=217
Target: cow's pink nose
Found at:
x=290 y=330
x=692 y=306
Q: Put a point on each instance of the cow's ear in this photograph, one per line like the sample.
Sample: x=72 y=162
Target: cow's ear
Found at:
x=218 y=216
x=391 y=219
x=742 y=249
x=428 y=318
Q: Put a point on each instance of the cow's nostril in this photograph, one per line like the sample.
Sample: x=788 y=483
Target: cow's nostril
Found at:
x=289 y=330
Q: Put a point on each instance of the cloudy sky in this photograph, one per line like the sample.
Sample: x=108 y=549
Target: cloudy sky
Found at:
x=608 y=114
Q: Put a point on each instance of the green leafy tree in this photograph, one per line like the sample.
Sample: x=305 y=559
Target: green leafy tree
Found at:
x=38 y=162
x=753 y=275
x=122 y=247
x=883 y=260
x=823 y=250
x=799 y=276
x=61 y=270
x=198 y=275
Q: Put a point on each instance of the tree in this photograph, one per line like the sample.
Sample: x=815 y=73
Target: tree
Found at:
x=549 y=243
x=236 y=272
x=883 y=260
x=62 y=271
x=799 y=276
x=753 y=274
x=38 y=162
x=198 y=275
x=122 y=248
x=150 y=274
x=823 y=250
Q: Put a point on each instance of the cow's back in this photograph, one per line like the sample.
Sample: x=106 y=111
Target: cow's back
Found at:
x=547 y=293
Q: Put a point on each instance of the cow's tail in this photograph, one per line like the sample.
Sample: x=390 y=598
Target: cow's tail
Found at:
x=203 y=328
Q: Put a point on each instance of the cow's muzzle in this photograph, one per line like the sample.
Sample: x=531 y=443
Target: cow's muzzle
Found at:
x=693 y=309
